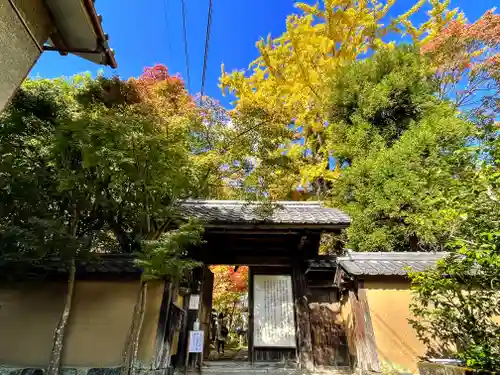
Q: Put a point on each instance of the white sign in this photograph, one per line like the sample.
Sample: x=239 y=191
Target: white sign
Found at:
x=196 y=341
x=274 y=323
x=194 y=301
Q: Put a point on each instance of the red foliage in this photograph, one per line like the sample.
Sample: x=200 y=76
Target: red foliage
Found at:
x=460 y=36
x=467 y=55
x=239 y=278
x=158 y=73
x=485 y=30
x=227 y=280
x=163 y=90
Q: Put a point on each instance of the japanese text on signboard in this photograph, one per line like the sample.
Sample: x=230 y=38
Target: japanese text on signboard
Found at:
x=196 y=341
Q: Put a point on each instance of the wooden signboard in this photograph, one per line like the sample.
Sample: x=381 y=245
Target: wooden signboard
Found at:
x=273 y=313
x=194 y=302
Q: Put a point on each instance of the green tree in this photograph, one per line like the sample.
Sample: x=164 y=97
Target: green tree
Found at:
x=396 y=143
x=100 y=165
x=134 y=144
x=33 y=220
x=456 y=303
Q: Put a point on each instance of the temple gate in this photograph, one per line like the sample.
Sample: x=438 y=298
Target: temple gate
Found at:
x=293 y=301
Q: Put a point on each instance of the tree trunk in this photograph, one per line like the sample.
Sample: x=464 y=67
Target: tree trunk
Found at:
x=58 y=342
x=231 y=319
x=129 y=341
x=137 y=334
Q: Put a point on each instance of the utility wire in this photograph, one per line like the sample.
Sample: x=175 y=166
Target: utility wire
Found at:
x=167 y=28
x=186 y=44
x=207 y=43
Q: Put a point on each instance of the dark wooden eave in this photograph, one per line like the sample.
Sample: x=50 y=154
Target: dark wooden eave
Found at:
x=256 y=247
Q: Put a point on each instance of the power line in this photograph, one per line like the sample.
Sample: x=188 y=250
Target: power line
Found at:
x=207 y=42
x=186 y=53
x=167 y=27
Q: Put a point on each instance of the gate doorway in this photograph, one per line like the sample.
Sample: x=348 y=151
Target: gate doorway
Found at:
x=248 y=314
x=228 y=320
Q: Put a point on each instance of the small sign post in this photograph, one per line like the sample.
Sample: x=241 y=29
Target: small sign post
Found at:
x=196 y=341
x=195 y=345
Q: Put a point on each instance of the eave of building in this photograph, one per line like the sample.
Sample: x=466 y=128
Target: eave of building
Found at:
x=364 y=264
x=282 y=228
x=79 y=31
x=280 y=216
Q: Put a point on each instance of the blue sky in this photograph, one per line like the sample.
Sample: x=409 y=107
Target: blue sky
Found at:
x=139 y=35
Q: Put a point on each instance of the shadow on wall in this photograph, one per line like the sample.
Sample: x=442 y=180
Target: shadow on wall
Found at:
x=398 y=342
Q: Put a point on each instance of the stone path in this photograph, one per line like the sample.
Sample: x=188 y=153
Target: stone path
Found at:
x=231 y=353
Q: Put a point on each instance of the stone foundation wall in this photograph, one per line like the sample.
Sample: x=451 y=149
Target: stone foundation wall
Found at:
x=146 y=370
x=5 y=370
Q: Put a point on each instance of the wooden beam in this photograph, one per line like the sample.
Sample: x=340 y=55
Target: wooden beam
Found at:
x=366 y=348
x=226 y=231
x=256 y=250
x=248 y=226
x=243 y=260
x=304 y=339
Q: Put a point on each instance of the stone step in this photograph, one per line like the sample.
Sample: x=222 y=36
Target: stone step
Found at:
x=272 y=368
x=266 y=372
x=271 y=372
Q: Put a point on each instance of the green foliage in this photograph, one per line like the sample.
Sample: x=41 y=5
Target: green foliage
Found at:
x=481 y=357
x=397 y=144
x=168 y=254
x=100 y=165
x=457 y=304
x=34 y=213
x=374 y=101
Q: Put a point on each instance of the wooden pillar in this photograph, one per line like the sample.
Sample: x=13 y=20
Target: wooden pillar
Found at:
x=183 y=334
x=205 y=310
x=250 y=315
x=162 y=346
x=304 y=340
x=366 y=348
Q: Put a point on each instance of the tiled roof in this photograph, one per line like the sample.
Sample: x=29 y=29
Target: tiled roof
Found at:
x=387 y=263
x=106 y=264
x=285 y=212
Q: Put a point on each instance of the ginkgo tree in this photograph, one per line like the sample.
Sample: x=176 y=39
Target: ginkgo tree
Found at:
x=282 y=100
